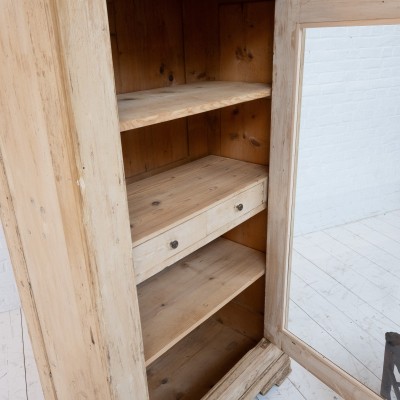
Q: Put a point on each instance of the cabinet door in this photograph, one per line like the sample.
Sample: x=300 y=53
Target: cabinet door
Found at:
x=293 y=19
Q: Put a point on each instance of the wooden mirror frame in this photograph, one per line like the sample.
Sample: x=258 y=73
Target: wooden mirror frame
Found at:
x=291 y=19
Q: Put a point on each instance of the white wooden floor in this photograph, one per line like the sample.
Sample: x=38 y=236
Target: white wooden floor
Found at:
x=346 y=293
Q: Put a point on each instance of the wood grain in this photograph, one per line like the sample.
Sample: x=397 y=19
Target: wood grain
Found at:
x=150 y=44
x=261 y=367
x=160 y=202
x=149 y=107
x=353 y=12
x=196 y=363
x=290 y=15
x=54 y=168
x=191 y=206
x=183 y=296
x=245 y=131
x=148 y=149
x=246 y=41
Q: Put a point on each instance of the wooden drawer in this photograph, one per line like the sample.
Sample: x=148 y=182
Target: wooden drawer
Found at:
x=152 y=256
x=234 y=208
x=189 y=207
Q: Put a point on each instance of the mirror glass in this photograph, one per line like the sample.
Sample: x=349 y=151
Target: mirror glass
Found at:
x=345 y=257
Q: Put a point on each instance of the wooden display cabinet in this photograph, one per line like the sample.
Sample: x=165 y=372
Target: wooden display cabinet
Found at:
x=138 y=231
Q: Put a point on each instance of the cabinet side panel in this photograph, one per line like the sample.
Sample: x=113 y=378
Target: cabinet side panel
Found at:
x=97 y=169
x=61 y=155
x=33 y=104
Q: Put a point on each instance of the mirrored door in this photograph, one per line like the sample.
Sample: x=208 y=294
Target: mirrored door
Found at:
x=333 y=273
x=345 y=252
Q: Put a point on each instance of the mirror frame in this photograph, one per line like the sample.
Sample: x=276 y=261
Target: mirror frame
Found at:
x=291 y=19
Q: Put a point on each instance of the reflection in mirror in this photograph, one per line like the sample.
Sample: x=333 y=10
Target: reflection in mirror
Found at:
x=345 y=278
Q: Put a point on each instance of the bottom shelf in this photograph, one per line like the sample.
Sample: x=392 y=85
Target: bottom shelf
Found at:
x=194 y=365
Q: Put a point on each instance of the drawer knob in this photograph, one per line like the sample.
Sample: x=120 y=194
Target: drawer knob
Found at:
x=174 y=244
x=239 y=207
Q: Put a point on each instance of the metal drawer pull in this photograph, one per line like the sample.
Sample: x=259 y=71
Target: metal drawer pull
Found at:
x=239 y=207
x=174 y=244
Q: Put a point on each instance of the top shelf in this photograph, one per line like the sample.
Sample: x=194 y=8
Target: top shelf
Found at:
x=148 y=107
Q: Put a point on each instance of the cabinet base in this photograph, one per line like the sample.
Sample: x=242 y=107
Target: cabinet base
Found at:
x=261 y=368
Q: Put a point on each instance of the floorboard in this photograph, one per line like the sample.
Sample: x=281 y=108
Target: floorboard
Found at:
x=345 y=293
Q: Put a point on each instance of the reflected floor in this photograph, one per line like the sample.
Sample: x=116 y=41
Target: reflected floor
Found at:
x=345 y=293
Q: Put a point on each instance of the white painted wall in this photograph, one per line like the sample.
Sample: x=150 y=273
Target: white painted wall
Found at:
x=349 y=152
x=9 y=299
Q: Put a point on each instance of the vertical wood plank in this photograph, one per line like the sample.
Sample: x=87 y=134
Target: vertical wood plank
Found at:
x=245 y=131
x=281 y=165
x=150 y=44
x=98 y=164
x=64 y=202
x=201 y=40
x=152 y=147
x=246 y=41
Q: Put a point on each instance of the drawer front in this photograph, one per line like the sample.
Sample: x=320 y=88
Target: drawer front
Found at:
x=148 y=256
x=157 y=253
x=234 y=208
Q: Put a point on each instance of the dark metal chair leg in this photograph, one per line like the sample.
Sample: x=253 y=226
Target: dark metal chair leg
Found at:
x=391 y=359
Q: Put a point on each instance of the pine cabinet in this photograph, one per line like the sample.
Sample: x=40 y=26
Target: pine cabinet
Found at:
x=141 y=129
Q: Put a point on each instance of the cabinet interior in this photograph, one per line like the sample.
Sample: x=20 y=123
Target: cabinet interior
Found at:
x=164 y=46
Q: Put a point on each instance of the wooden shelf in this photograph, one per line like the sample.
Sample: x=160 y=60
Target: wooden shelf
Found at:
x=180 y=298
x=192 y=205
x=148 y=107
x=198 y=362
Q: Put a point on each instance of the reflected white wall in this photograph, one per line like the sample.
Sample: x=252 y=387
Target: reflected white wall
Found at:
x=349 y=152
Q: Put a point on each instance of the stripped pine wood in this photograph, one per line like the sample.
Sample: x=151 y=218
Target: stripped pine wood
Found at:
x=53 y=207
x=351 y=12
x=173 y=197
x=177 y=212
x=252 y=374
x=246 y=41
x=149 y=107
x=291 y=17
x=183 y=296
x=154 y=147
x=306 y=384
x=212 y=349
x=149 y=44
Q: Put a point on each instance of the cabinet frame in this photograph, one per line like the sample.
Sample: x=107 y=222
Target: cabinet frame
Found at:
x=291 y=18
x=59 y=148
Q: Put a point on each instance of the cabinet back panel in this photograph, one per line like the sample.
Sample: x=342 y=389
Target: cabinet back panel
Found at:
x=149 y=44
x=153 y=147
x=159 y=43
